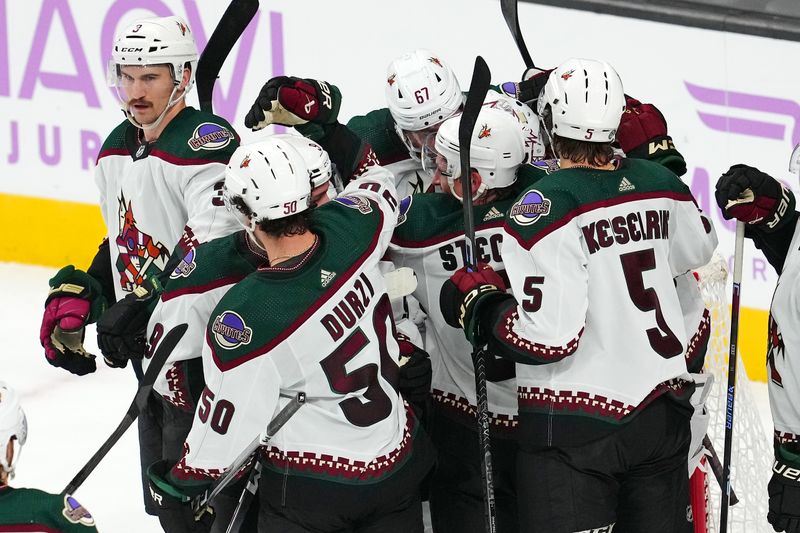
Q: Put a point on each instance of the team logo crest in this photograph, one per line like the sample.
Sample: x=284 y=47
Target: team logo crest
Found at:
x=486 y=131
x=210 y=136
x=230 y=331
x=76 y=513
x=138 y=251
x=390 y=80
x=186 y=266
x=775 y=348
x=435 y=61
x=245 y=162
x=355 y=202
x=567 y=75
x=182 y=27
x=405 y=205
x=530 y=208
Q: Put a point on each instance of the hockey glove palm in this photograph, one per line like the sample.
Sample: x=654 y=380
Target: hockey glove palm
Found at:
x=527 y=90
x=755 y=198
x=122 y=330
x=464 y=293
x=75 y=299
x=642 y=134
x=784 y=492
x=292 y=101
x=173 y=507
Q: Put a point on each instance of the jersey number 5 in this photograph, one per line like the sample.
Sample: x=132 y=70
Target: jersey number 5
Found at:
x=662 y=339
x=378 y=405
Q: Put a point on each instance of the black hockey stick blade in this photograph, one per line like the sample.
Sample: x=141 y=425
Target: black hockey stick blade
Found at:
x=229 y=28
x=478 y=87
x=165 y=348
x=509 y=9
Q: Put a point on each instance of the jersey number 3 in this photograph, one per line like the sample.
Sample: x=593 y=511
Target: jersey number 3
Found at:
x=662 y=339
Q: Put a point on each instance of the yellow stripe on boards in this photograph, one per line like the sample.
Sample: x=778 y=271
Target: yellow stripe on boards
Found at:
x=55 y=233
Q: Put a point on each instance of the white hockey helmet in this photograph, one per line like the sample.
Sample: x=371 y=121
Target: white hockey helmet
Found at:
x=155 y=41
x=271 y=178
x=506 y=136
x=583 y=99
x=317 y=159
x=421 y=91
x=12 y=424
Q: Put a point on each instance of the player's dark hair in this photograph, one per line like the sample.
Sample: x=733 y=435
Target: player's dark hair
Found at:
x=595 y=154
x=296 y=224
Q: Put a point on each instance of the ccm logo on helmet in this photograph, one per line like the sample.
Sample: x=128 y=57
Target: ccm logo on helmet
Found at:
x=131 y=49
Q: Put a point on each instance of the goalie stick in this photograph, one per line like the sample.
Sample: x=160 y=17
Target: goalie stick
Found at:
x=509 y=9
x=229 y=28
x=165 y=348
x=201 y=502
x=731 y=389
x=478 y=87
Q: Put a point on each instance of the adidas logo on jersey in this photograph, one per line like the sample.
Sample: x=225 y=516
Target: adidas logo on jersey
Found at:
x=626 y=185
x=326 y=277
x=492 y=214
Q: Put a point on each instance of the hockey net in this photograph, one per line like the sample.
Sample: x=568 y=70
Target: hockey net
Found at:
x=752 y=450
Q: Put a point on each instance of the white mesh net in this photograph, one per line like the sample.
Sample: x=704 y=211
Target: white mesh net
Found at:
x=752 y=450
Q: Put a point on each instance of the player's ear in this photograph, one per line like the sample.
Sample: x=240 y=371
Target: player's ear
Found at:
x=475 y=181
x=187 y=75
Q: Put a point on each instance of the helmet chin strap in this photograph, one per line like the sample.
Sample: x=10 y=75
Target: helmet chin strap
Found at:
x=482 y=188
x=156 y=122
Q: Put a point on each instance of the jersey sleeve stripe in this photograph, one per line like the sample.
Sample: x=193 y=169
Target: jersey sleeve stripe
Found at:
x=199 y=289
x=526 y=351
x=439 y=239
x=591 y=206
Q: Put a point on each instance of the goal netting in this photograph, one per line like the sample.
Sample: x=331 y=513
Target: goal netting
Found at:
x=752 y=450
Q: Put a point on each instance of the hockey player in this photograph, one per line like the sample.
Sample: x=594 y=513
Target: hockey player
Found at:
x=160 y=176
x=768 y=209
x=316 y=319
x=421 y=92
x=430 y=239
x=604 y=413
x=31 y=509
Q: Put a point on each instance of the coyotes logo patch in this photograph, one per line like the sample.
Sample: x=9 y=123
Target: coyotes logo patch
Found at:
x=76 y=513
x=138 y=251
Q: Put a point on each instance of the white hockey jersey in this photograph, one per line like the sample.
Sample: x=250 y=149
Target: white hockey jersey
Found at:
x=592 y=257
x=323 y=327
x=154 y=195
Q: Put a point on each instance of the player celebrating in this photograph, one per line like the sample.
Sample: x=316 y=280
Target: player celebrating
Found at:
x=159 y=174
x=604 y=412
x=430 y=240
x=316 y=319
x=421 y=92
x=768 y=209
x=31 y=509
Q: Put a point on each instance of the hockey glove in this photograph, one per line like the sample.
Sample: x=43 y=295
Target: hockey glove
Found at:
x=642 y=134
x=415 y=371
x=784 y=492
x=527 y=90
x=464 y=293
x=755 y=198
x=292 y=101
x=122 y=330
x=173 y=507
x=75 y=299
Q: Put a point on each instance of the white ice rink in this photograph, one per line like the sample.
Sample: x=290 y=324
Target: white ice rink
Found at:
x=70 y=416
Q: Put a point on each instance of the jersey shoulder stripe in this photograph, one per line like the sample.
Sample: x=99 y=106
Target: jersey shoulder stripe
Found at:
x=219 y=262
x=289 y=297
x=555 y=200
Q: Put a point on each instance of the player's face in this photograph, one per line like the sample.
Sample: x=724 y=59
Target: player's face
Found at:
x=147 y=90
x=416 y=139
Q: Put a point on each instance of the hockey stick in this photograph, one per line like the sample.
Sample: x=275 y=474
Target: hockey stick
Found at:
x=731 y=390
x=201 y=502
x=229 y=28
x=509 y=9
x=478 y=87
x=165 y=348
x=716 y=468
